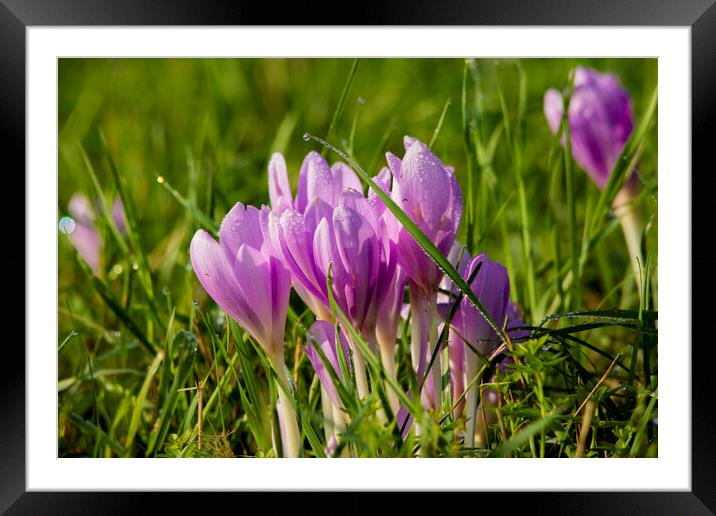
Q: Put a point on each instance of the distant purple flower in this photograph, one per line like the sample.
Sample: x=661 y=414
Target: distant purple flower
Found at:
x=85 y=237
x=600 y=121
x=84 y=234
x=250 y=285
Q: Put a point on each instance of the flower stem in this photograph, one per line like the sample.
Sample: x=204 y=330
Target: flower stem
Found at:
x=290 y=435
x=471 y=400
x=630 y=221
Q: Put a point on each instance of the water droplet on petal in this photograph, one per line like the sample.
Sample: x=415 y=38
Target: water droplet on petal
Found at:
x=67 y=225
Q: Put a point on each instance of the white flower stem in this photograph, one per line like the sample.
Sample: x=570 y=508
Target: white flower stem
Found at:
x=387 y=357
x=630 y=221
x=359 y=370
x=290 y=435
x=470 y=398
x=327 y=408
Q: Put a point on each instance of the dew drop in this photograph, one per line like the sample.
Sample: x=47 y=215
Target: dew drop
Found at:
x=165 y=291
x=361 y=100
x=67 y=225
x=195 y=302
x=160 y=179
x=117 y=334
x=117 y=269
x=135 y=266
x=306 y=137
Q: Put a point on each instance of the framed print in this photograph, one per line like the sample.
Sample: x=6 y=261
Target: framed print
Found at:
x=359 y=258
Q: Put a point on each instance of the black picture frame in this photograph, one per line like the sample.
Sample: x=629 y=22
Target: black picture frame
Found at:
x=699 y=15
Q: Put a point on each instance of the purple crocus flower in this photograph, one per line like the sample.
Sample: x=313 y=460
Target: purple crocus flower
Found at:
x=492 y=288
x=428 y=192
x=600 y=121
x=242 y=275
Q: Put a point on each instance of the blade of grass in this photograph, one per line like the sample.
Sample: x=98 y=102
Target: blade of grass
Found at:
x=139 y=402
x=341 y=102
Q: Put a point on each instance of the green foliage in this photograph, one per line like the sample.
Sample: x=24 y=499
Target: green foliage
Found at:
x=181 y=140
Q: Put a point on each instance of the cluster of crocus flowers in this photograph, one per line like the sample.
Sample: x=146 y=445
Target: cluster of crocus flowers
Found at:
x=333 y=235
x=82 y=231
x=600 y=121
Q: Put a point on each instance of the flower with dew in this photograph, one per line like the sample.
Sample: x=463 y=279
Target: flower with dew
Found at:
x=600 y=122
x=428 y=192
x=84 y=234
x=244 y=277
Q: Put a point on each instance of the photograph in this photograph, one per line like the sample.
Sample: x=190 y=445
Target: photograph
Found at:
x=328 y=258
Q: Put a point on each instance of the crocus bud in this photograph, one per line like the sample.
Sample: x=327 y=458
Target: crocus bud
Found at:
x=600 y=121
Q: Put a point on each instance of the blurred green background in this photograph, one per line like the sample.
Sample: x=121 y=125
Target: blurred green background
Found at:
x=209 y=126
x=225 y=117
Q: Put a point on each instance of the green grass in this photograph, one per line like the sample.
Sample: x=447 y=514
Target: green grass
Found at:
x=182 y=140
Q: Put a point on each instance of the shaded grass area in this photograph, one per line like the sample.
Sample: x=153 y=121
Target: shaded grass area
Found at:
x=182 y=140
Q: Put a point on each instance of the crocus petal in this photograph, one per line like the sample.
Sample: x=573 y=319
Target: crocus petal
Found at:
x=253 y=275
x=358 y=250
x=240 y=226
x=394 y=164
x=344 y=177
x=216 y=275
x=425 y=187
x=279 y=187
x=323 y=334
x=408 y=142
x=280 y=292
x=492 y=288
x=80 y=209
x=296 y=248
x=87 y=242
x=315 y=180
